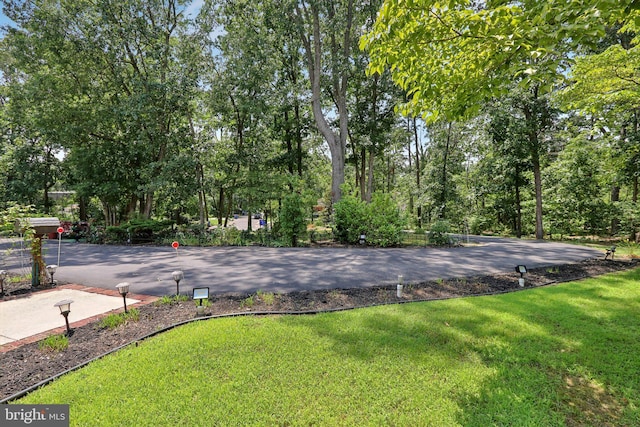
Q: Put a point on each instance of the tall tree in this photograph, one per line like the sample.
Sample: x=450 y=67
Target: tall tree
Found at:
x=576 y=184
x=605 y=85
x=443 y=161
x=327 y=32
x=124 y=71
x=451 y=56
x=31 y=135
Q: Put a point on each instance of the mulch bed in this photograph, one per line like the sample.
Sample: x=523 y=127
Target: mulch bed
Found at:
x=28 y=365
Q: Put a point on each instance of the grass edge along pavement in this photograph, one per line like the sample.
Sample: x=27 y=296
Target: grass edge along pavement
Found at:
x=566 y=354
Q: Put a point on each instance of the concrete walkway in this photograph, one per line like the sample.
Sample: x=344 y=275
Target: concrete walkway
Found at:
x=33 y=317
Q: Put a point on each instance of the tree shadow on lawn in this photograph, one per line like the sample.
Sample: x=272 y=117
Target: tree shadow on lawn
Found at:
x=568 y=358
x=560 y=355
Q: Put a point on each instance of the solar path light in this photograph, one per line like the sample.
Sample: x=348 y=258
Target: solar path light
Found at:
x=611 y=251
x=123 y=288
x=3 y=275
x=400 y=286
x=200 y=294
x=178 y=275
x=522 y=270
x=65 y=308
x=51 y=269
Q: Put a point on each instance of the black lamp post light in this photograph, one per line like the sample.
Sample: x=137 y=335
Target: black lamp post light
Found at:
x=178 y=275
x=123 y=288
x=363 y=239
x=522 y=270
x=51 y=269
x=65 y=308
x=3 y=275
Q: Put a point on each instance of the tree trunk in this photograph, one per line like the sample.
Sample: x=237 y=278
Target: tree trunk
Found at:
x=131 y=207
x=534 y=151
x=82 y=206
x=615 y=197
x=443 y=195
x=518 y=208
x=48 y=180
x=537 y=179
x=288 y=140
x=369 y=177
x=220 y=205
x=636 y=129
x=362 y=173
x=202 y=203
x=109 y=214
x=148 y=205
x=313 y=52
x=296 y=110
x=415 y=138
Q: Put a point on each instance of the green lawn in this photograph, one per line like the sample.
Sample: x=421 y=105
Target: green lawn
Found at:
x=563 y=355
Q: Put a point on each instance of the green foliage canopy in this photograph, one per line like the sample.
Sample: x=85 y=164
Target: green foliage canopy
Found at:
x=450 y=55
x=609 y=80
x=292 y=219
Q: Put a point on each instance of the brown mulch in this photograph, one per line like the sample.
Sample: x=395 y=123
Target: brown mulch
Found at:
x=28 y=365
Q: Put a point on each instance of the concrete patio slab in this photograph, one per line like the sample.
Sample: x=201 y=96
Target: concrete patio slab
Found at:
x=35 y=313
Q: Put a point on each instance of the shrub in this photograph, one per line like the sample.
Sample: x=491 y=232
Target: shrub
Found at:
x=231 y=236
x=267 y=297
x=380 y=220
x=112 y=321
x=248 y=302
x=54 y=343
x=137 y=230
x=384 y=221
x=349 y=217
x=630 y=218
x=480 y=223
x=439 y=233
x=171 y=299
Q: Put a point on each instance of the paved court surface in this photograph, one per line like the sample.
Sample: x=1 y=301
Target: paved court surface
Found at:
x=248 y=269
x=99 y=268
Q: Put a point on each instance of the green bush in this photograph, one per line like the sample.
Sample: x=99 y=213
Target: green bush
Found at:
x=349 y=218
x=480 y=223
x=54 y=343
x=197 y=236
x=384 y=221
x=114 y=320
x=630 y=218
x=381 y=220
x=138 y=230
x=171 y=299
x=439 y=233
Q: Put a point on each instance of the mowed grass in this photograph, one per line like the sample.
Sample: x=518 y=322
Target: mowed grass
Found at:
x=561 y=355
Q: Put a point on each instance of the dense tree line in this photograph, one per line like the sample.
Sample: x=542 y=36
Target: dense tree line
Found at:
x=517 y=117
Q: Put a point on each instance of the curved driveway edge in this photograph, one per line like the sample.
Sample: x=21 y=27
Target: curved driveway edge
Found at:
x=249 y=269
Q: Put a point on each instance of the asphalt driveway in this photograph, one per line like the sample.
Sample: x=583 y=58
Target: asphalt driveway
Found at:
x=249 y=269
